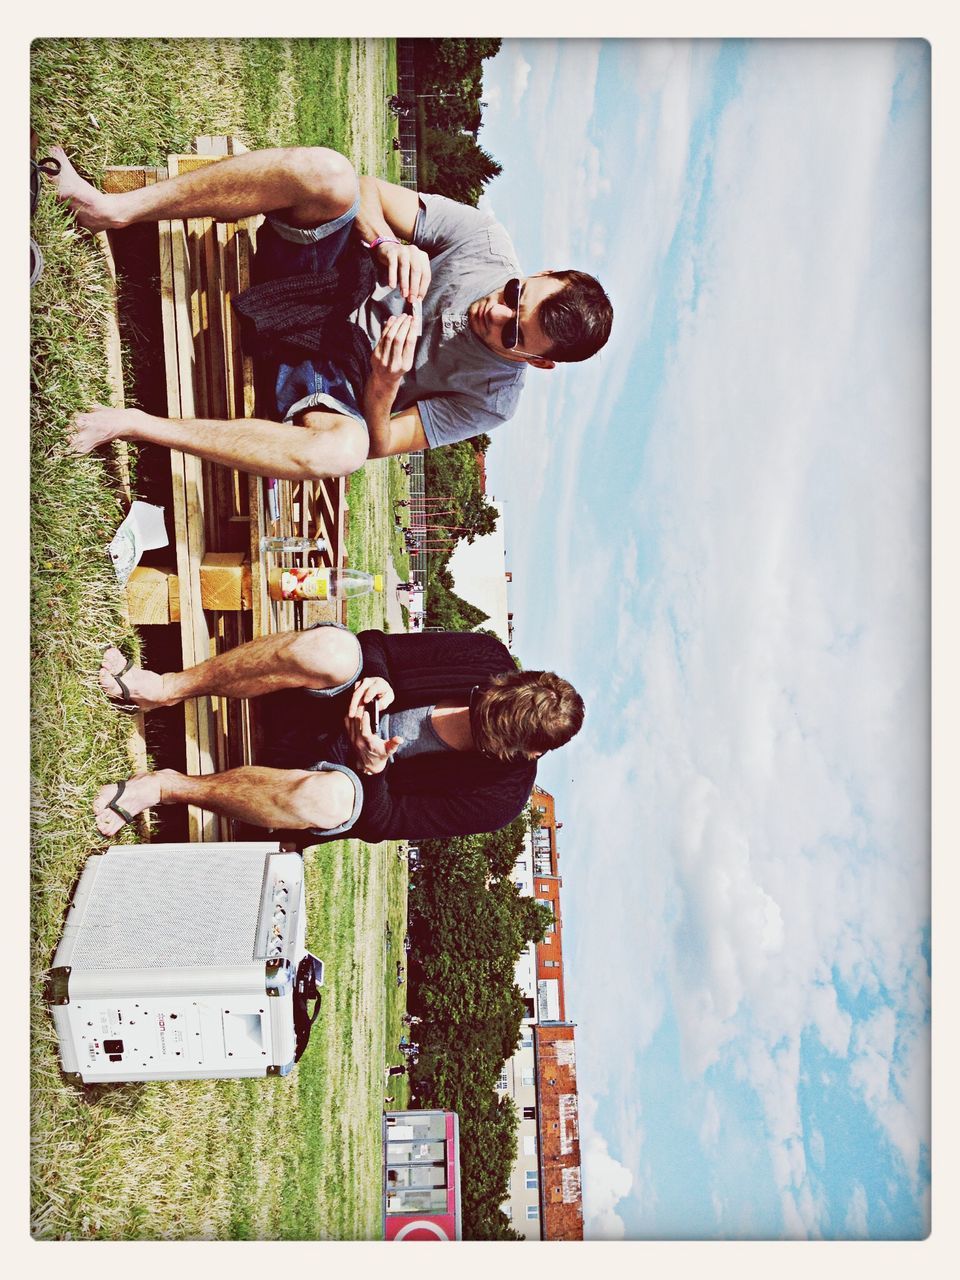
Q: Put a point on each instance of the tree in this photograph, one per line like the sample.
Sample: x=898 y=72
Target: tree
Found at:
x=445 y=62
x=454 y=165
x=468 y=926
x=449 y=76
x=447 y=610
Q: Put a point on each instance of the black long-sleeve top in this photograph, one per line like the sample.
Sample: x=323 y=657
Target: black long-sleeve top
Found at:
x=451 y=793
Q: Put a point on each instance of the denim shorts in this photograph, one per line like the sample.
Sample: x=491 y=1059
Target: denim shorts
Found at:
x=283 y=251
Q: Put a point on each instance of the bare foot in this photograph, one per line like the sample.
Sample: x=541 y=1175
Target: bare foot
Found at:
x=99 y=426
x=139 y=793
x=91 y=206
x=145 y=687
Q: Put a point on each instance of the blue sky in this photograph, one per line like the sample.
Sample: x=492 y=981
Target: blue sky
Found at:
x=718 y=530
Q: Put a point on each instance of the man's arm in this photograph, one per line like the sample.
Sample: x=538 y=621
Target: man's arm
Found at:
x=391 y=211
x=386 y=209
x=387 y=815
x=401 y=433
x=392 y=357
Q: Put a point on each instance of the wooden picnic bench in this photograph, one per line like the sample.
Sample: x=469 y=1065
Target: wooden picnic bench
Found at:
x=217 y=588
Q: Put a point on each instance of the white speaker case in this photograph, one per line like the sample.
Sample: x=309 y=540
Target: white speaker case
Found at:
x=165 y=970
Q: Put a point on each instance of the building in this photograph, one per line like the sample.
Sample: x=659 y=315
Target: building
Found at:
x=480 y=576
x=545 y=1201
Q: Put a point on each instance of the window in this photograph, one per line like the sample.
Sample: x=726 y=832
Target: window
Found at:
x=533 y=1211
x=529 y=1113
x=529 y=1144
x=546 y=902
x=526 y=1042
x=532 y=1180
x=502 y=1081
x=527 y=1078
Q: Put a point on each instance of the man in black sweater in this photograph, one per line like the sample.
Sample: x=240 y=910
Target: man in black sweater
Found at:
x=460 y=732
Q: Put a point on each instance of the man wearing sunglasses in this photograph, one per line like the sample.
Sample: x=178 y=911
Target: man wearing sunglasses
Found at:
x=451 y=320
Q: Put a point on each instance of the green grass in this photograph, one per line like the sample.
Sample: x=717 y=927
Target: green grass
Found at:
x=188 y=1159
x=368 y=538
x=395 y=996
x=399 y=489
x=372 y=539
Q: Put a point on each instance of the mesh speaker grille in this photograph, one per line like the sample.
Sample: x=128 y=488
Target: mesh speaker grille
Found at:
x=171 y=908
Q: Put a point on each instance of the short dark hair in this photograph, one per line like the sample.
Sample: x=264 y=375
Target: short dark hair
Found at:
x=577 y=318
x=519 y=713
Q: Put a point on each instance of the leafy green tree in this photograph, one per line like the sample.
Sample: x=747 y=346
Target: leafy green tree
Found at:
x=468 y=926
x=450 y=60
x=453 y=164
x=445 y=608
x=449 y=77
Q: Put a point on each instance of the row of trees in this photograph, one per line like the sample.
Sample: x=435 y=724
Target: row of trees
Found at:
x=449 y=76
x=468 y=923
x=468 y=927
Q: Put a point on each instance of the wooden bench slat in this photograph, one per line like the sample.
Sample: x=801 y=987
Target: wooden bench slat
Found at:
x=187 y=475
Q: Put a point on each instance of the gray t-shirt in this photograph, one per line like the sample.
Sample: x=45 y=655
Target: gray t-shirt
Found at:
x=461 y=387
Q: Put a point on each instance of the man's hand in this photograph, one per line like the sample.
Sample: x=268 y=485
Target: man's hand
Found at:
x=407 y=268
x=393 y=356
x=101 y=425
x=371 y=751
x=370 y=689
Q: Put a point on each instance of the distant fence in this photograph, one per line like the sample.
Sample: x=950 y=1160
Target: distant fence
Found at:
x=419 y=556
x=407 y=132
x=407 y=126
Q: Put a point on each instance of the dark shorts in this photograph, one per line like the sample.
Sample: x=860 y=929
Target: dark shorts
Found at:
x=283 y=251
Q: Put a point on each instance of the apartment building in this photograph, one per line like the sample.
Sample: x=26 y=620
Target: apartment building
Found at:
x=545 y=1201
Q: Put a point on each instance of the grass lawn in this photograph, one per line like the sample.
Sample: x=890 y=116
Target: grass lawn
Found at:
x=296 y=1157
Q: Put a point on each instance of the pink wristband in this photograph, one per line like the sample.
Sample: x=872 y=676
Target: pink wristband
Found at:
x=381 y=240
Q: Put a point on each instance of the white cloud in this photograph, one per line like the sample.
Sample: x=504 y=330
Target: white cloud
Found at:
x=521 y=75
x=493 y=97
x=855 y=1224
x=873 y=1048
x=710 y=1126
x=605 y=1180
x=817 y=1149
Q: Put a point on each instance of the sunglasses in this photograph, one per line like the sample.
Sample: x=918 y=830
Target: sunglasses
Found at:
x=510 y=335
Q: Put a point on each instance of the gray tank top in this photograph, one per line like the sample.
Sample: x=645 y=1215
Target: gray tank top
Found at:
x=416 y=728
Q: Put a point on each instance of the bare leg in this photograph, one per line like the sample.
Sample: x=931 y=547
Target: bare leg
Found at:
x=327 y=444
x=297 y=798
x=311 y=185
x=321 y=658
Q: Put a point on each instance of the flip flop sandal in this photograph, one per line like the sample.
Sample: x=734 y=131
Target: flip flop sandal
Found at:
x=120 y=812
x=36 y=262
x=47 y=166
x=126 y=705
x=51 y=168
